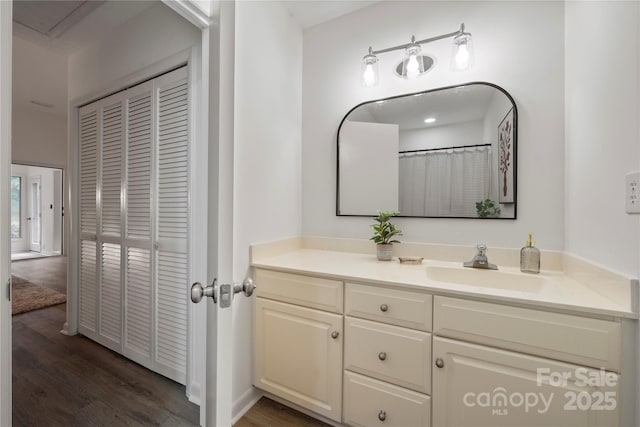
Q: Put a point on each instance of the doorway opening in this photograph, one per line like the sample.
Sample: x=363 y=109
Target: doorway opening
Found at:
x=37 y=211
x=134 y=386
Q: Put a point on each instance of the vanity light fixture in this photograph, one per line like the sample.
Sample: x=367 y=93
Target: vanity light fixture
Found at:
x=415 y=64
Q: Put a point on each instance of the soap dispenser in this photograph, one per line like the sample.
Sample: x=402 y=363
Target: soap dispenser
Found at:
x=530 y=257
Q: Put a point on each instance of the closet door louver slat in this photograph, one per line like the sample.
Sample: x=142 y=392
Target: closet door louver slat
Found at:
x=88 y=173
x=173 y=226
x=139 y=163
x=110 y=291
x=88 y=287
x=139 y=318
x=139 y=278
x=112 y=142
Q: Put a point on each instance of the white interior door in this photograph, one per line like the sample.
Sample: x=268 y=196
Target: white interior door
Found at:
x=217 y=353
x=5 y=206
x=35 y=213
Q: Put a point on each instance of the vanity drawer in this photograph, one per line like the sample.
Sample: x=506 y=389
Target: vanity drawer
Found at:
x=398 y=355
x=369 y=402
x=307 y=291
x=580 y=340
x=394 y=306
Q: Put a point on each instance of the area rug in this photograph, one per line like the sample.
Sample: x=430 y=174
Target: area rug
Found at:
x=27 y=296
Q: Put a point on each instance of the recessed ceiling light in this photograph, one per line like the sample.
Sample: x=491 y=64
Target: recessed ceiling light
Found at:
x=430 y=120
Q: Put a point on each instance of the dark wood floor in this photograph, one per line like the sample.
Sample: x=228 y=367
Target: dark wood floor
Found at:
x=72 y=381
x=49 y=271
x=267 y=413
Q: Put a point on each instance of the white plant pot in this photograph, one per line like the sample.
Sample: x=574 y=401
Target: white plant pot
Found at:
x=384 y=251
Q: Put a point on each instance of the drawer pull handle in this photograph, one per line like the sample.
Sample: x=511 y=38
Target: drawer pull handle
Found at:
x=382 y=415
x=382 y=355
x=439 y=363
x=384 y=308
x=335 y=334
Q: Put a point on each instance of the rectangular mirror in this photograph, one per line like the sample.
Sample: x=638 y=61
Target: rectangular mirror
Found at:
x=449 y=152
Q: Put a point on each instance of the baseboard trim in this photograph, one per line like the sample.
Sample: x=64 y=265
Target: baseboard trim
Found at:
x=194 y=393
x=244 y=403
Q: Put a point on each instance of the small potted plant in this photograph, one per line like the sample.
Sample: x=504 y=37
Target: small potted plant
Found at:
x=383 y=235
x=488 y=209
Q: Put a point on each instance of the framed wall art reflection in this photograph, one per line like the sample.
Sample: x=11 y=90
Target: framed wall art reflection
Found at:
x=505 y=159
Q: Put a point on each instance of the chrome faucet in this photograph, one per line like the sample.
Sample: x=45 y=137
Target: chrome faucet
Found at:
x=480 y=260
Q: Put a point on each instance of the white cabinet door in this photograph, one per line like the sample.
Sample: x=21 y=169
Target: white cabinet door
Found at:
x=298 y=356
x=478 y=386
x=369 y=402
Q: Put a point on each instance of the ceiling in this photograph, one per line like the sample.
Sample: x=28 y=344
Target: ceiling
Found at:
x=48 y=31
x=455 y=105
x=51 y=18
x=67 y=26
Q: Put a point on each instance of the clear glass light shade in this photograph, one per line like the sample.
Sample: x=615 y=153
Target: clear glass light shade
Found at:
x=413 y=65
x=462 y=57
x=369 y=70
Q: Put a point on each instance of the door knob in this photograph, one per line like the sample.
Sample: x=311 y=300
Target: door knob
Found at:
x=222 y=293
x=198 y=291
x=247 y=287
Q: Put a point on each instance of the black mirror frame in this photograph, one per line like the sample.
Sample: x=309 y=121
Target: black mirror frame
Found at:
x=515 y=150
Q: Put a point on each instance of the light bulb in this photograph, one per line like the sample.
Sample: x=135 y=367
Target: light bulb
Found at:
x=369 y=77
x=369 y=70
x=462 y=55
x=413 y=68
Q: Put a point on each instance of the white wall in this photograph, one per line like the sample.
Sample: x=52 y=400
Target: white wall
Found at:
x=498 y=108
x=453 y=135
x=603 y=140
x=39 y=135
x=267 y=157
x=38 y=138
x=153 y=35
x=39 y=74
x=368 y=159
x=519 y=46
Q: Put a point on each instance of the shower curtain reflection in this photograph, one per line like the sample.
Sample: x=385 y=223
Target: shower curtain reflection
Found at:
x=445 y=182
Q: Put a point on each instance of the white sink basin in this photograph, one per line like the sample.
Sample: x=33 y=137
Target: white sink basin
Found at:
x=497 y=279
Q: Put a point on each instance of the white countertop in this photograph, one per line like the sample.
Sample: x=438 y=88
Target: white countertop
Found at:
x=556 y=291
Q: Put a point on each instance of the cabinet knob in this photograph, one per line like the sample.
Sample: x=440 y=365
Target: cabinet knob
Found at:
x=335 y=334
x=384 y=307
x=382 y=355
x=382 y=415
x=439 y=363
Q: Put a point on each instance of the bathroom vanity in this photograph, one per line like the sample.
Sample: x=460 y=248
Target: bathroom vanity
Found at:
x=360 y=342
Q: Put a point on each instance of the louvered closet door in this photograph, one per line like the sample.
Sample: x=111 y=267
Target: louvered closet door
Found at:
x=134 y=223
x=88 y=173
x=110 y=221
x=139 y=292
x=172 y=224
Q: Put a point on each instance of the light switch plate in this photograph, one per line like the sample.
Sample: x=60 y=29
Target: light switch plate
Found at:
x=632 y=192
